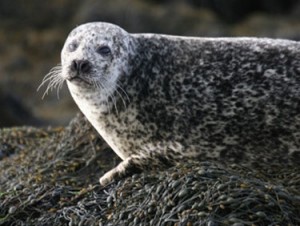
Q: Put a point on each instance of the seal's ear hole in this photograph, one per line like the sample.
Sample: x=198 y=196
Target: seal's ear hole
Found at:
x=72 y=46
x=103 y=50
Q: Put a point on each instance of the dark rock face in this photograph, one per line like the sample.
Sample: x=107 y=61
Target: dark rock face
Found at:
x=34 y=14
x=235 y=10
x=14 y=113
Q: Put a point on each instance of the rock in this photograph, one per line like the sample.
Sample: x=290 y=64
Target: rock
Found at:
x=36 y=14
x=235 y=10
x=13 y=112
x=58 y=170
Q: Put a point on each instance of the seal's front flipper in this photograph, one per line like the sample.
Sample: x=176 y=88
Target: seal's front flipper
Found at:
x=125 y=168
x=132 y=165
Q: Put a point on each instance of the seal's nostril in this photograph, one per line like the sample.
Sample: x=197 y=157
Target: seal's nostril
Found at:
x=80 y=66
x=85 y=66
x=73 y=66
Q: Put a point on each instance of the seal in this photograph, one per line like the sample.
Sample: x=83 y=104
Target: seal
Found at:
x=158 y=99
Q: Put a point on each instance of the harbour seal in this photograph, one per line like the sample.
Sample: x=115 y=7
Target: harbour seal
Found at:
x=158 y=99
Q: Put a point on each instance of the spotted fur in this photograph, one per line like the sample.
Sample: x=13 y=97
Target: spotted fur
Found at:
x=157 y=99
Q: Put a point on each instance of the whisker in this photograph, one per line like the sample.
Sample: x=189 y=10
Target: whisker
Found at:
x=53 y=70
x=114 y=102
x=52 y=84
x=54 y=80
x=120 y=95
x=111 y=94
x=47 y=78
x=118 y=86
x=59 y=86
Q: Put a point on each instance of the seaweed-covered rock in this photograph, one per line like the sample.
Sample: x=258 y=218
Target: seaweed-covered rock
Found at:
x=50 y=177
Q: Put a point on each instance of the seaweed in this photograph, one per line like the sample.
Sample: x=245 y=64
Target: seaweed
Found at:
x=49 y=176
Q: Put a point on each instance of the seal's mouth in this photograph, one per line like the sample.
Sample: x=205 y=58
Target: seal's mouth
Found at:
x=79 y=79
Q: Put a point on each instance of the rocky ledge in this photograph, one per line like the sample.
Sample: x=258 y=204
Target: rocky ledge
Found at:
x=50 y=177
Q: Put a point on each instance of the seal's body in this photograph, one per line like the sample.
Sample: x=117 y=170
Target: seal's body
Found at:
x=157 y=99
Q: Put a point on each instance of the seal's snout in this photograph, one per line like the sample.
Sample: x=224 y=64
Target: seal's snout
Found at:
x=78 y=70
x=80 y=66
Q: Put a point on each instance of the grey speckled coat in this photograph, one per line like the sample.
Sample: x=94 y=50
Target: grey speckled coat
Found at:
x=230 y=99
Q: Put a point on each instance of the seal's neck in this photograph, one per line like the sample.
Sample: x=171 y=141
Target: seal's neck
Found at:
x=99 y=111
x=90 y=101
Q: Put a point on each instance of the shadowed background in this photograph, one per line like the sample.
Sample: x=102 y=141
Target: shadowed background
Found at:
x=32 y=33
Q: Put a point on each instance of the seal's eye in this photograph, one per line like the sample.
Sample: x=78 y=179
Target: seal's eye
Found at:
x=103 y=50
x=72 y=46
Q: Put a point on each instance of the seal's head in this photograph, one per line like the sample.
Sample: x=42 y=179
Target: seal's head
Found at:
x=96 y=55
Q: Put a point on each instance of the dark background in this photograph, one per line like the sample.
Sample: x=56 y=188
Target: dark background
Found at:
x=32 y=33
